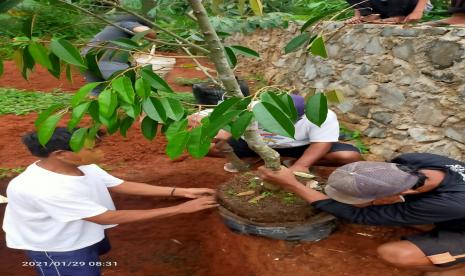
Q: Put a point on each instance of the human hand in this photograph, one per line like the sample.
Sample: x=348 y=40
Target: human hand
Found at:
x=194 y=192
x=284 y=177
x=413 y=17
x=198 y=204
x=298 y=168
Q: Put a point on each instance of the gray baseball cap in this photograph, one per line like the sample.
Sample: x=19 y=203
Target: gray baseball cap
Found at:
x=365 y=181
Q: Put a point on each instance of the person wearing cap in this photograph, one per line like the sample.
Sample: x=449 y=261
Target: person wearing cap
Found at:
x=312 y=145
x=413 y=189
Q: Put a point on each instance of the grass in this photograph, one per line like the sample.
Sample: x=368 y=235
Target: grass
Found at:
x=21 y=102
x=10 y=172
x=355 y=136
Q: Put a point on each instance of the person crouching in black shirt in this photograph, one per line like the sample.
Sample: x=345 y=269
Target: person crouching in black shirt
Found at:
x=414 y=189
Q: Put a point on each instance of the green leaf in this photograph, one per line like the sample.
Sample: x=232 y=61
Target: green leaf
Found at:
x=176 y=144
x=40 y=54
x=92 y=64
x=245 y=51
x=174 y=109
x=257 y=7
x=240 y=125
x=198 y=144
x=175 y=128
x=138 y=36
x=124 y=125
x=287 y=99
x=311 y=20
x=6 y=5
x=318 y=48
x=28 y=26
x=113 y=124
x=215 y=125
x=149 y=128
x=123 y=86
x=69 y=73
x=77 y=114
x=297 y=42
x=46 y=113
x=67 y=52
x=316 y=109
x=154 y=109
x=223 y=107
x=285 y=104
x=126 y=43
x=82 y=93
x=132 y=110
x=77 y=139
x=155 y=80
x=1 y=67
x=47 y=128
x=94 y=111
x=56 y=65
x=142 y=88
x=273 y=119
x=335 y=96
x=241 y=7
x=108 y=102
x=231 y=57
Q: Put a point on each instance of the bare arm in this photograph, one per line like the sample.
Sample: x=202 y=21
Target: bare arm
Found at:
x=134 y=188
x=286 y=180
x=127 y=216
x=311 y=155
x=417 y=13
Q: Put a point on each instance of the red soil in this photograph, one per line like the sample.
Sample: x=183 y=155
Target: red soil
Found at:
x=197 y=244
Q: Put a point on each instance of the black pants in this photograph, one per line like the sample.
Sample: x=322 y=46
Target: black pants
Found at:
x=385 y=8
x=457 y=6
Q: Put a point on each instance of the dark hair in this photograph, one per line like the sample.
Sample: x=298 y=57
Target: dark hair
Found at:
x=59 y=141
x=421 y=177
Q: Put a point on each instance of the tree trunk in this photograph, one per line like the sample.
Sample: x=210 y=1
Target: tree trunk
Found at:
x=228 y=79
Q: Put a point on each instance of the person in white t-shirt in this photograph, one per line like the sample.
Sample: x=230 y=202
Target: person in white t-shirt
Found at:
x=60 y=206
x=312 y=145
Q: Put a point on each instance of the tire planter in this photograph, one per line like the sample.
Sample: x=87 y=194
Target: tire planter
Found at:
x=319 y=227
x=209 y=94
x=248 y=208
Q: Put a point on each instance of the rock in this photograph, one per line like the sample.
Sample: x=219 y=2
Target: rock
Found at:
x=391 y=97
x=374 y=47
x=443 y=54
x=365 y=70
x=382 y=117
x=429 y=113
x=369 y=92
x=310 y=70
x=345 y=107
x=404 y=51
x=361 y=110
x=351 y=77
x=333 y=50
x=422 y=135
x=456 y=133
x=386 y=67
x=374 y=131
x=447 y=77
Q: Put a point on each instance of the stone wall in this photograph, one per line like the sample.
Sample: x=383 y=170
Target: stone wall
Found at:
x=404 y=87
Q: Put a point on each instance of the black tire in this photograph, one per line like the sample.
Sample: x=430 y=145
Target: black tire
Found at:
x=320 y=227
x=209 y=94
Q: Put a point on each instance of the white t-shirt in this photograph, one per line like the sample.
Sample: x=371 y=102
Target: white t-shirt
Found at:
x=45 y=210
x=306 y=132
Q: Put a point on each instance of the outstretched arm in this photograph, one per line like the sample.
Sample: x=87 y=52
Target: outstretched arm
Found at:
x=127 y=216
x=134 y=188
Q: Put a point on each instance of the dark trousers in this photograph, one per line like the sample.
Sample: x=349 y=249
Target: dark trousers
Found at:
x=385 y=8
x=457 y=6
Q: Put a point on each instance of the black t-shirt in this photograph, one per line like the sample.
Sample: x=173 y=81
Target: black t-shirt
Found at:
x=444 y=206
